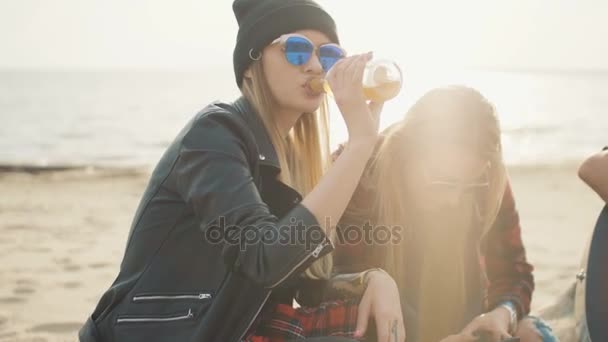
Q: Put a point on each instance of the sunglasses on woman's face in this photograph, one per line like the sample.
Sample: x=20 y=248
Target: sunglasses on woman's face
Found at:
x=481 y=183
x=299 y=49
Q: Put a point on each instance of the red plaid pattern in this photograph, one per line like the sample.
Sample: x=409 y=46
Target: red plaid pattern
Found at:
x=283 y=322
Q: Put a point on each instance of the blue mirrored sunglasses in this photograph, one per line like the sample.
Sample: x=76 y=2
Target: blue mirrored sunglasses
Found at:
x=299 y=49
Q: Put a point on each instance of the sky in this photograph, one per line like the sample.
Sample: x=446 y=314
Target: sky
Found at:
x=200 y=34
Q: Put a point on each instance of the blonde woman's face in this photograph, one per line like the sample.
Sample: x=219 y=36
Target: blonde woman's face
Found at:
x=287 y=82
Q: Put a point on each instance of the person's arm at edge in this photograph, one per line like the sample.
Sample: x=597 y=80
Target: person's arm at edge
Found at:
x=594 y=172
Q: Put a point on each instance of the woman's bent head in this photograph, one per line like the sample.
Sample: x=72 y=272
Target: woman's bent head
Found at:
x=439 y=174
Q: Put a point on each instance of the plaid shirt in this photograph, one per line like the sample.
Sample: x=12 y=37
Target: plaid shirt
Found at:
x=283 y=322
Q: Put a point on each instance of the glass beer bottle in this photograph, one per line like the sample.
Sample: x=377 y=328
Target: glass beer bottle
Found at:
x=382 y=81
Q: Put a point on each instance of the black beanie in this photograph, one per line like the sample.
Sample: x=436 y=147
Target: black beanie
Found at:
x=262 y=21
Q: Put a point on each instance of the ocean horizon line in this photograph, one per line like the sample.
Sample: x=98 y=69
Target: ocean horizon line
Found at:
x=136 y=69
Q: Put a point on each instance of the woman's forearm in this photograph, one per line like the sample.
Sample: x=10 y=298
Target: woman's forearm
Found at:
x=594 y=172
x=329 y=199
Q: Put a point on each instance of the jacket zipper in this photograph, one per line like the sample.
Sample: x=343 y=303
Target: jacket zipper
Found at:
x=126 y=319
x=200 y=296
x=314 y=253
x=319 y=248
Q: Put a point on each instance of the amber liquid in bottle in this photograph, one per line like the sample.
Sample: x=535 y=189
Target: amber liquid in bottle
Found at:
x=381 y=82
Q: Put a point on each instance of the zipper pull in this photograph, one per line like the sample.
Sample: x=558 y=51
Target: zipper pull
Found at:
x=204 y=296
x=319 y=248
x=190 y=314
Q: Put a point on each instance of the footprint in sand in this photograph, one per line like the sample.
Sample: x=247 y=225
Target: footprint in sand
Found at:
x=76 y=250
x=71 y=284
x=23 y=290
x=8 y=334
x=56 y=328
x=62 y=261
x=71 y=268
x=35 y=249
x=67 y=264
x=3 y=320
x=42 y=250
x=26 y=282
x=11 y=300
x=17 y=227
x=96 y=222
x=99 y=265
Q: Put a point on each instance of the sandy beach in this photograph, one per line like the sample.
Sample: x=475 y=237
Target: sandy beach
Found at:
x=62 y=235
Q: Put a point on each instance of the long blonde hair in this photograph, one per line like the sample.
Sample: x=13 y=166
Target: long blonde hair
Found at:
x=303 y=154
x=454 y=115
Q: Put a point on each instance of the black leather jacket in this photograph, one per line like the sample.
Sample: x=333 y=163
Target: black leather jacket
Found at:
x=176 y=281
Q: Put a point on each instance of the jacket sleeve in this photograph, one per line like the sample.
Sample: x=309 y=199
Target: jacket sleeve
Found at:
x=351 y=261
x=214 y=178
x=509 y=273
